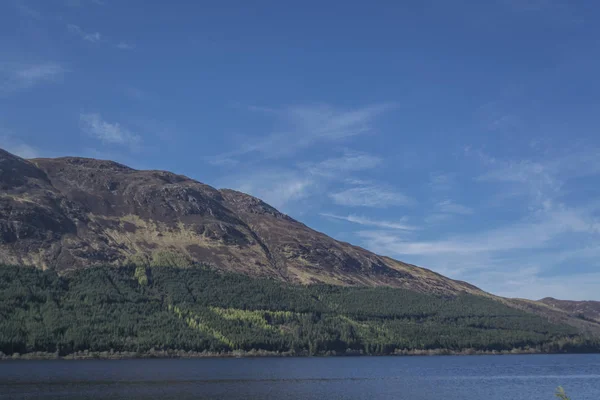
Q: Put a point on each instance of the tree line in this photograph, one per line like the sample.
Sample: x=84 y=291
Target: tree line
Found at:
x=142 y=309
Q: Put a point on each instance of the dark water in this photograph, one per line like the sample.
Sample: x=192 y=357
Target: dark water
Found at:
x=373 y=378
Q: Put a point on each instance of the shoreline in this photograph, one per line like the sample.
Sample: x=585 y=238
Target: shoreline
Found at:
x=176 y=354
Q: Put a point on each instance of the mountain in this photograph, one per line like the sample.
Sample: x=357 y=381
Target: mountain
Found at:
x=589 y=310
x=69 y=213
x=245 y=288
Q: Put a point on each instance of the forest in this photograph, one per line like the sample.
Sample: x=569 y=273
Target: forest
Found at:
x=145 y=310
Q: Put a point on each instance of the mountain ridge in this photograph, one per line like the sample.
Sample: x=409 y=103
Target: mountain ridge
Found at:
x=72 y=212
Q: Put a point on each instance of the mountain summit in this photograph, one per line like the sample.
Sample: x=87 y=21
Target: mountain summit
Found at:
x=69 y=213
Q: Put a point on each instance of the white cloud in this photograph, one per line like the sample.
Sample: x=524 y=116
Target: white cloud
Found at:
x=111 y=133
x=439 y=181
x=26 y=10
x=370 y=196
x=513 y=260
x=16 y=77
x=96 y=37
x=23 y=150
x=356 y=219
x=223 y=162
x=438 y=218
x=536 y=233
x=522 y=171
x=283 y=187
x=351 y=161
x=448 y=206
x=80 y=3
x=93 y=37
x=17 y=147
x=278 y=187
x=538 y=6
x=125 y=46
x=305 y=126
x=326 y=122
x=528 y=283
x=541 y=179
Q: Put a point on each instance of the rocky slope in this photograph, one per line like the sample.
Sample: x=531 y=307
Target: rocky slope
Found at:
x=589 y=310
x=68 y=213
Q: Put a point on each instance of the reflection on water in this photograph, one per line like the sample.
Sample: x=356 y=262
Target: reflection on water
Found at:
x=373 y=378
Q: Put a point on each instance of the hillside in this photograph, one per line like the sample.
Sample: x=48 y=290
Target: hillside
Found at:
x=67 y=215
x=70 y=213
x=589 y=310
x=164 y=311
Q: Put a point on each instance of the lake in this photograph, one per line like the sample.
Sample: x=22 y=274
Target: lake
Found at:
x=528 y=377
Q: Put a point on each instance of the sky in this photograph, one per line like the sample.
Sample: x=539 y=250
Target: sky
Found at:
x=461 y=136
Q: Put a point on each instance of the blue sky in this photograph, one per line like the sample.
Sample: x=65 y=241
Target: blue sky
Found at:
x=461 y=136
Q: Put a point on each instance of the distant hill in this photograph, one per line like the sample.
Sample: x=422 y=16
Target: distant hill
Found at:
x=589 y=310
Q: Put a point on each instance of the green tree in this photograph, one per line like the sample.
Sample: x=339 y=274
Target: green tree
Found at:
x=561 y=394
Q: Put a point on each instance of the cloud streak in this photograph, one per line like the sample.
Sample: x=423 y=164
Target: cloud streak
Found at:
x=93 y=37
x=109 y=133
x=440 y=182
x=81 y=3
x=360 y=220
x=305 y=126
x=23 y=77
x=278 y=187
x=450 y=207
x=14 y=146
x=541 y=179
x=351 y=161
x=370 y=196
x=97 y=37
x=125 y=46
x=524 y=235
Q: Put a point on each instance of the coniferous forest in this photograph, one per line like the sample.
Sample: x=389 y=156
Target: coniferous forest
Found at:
x=173 y=311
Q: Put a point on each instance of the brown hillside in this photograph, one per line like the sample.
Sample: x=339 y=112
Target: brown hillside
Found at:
x=70 y=212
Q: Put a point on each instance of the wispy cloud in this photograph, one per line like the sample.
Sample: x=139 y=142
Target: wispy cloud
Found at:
x=110 y=133
x=370 y=196
x=305 y=126
x=350 y=161
x=93 y=37
x=445 y=211
x=536 y=233
x=450 y=207
x=16 y=77
x=35 y=73
x=278 y=187
x=96 y=37
x=283 y=187
x=439 y=181
x=438 y=218
x=360 y=220
x=125 y=46
x=223 y=162
x=536 y=5
x=542 y=179
x=530 y=282
x=516 y=259
x=81 y=3
x=25 y=9
x=17 y=147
